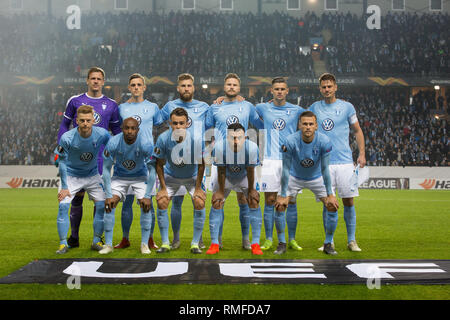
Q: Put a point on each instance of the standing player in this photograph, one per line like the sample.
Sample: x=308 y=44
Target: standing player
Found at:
x=106 y=115
x=236 y=159
x=179 y=165
x=335 y=117
x=148 y=115
x=220 y=116
x=306 y=156
x=280 y=120
x=78 y=150
x=131 y=154
x=196 y=127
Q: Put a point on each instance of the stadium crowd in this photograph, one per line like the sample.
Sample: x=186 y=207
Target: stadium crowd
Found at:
x=217 y=43
x=397 y=132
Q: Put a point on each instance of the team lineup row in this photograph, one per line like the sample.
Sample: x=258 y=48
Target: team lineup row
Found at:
x=302 y=149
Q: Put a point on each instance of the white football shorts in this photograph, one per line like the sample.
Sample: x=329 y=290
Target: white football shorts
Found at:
x=316 y=186
x=92 y=185
x=341 y=180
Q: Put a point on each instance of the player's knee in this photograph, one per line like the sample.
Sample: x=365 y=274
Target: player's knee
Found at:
x=241 y=198
x=270 y=199
x=177 y=201
x=127 y=203
x=199 y=204
x=253 y=203
x=348 y=202
x=217 y=205
x=77 y=201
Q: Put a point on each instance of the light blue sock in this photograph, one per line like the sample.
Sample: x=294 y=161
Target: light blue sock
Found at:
x=324 y=219
x=215 y=221
x=152 y=212
x=291 y=220
x=256 y=223
x=99 y=221
x=244 y=218
x=199 y=222
x=222 y=219
x=331 y=224
x=280 y=224
x=146 y=223
x=63 y=222
x=127 y=215
x=109 y=226
x=350 y=222
x=163 y=224
x=175 y=216
x=268 y=221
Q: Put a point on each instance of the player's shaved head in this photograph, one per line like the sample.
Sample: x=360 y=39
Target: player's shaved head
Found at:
x=131 y=119
x=130 y=129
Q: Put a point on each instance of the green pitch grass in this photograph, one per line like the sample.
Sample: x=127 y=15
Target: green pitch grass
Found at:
x=399 y=224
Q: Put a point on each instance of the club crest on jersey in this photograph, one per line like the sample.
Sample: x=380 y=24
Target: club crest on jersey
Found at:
x=315 y=151
x=129 y=164
x=235 y=169
x=279 y=124
x=307 y=163
x=189 y=122
x=232 y=119
x=327 y=124
x=97 y=117
x=137 y=118
x=104 y=106
x=86 y=156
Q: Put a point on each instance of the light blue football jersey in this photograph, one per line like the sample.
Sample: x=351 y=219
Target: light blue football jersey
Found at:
x=335 y=120
x=182 y=158
x=306 y=156
x=146 y=113
x=279 y=122
x=220 y=116
x=130 y=160
x=236 y=162
x=80 y=154
x=196 y=110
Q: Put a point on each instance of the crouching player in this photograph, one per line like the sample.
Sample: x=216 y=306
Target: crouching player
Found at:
x=179 y=165
x=78 y=151
x=306 y=156
x=236 y=159
x=130 y=152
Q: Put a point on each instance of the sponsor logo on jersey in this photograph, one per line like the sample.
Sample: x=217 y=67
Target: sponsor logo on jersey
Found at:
x=307 y=163
x=327 y=124
x=189 y=122
x=129 y=164
x=232 y=119
x=279 y=124
x=86 y=156
x=235 y=169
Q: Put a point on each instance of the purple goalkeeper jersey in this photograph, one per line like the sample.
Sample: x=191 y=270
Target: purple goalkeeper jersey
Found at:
x=106 y=113
x=106 y=116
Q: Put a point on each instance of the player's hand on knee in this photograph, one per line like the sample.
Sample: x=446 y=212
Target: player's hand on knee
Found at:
x=253 y=198
x=331 y=203
x=217 y=200
x=109 y=205
x=145 y=204
x=281 y=203
x=63 y=194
